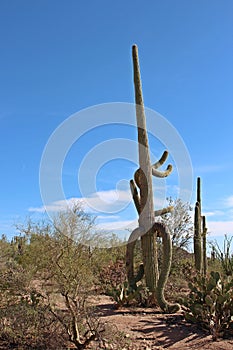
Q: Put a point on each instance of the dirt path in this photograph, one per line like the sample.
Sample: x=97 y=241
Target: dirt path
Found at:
x=149 y=329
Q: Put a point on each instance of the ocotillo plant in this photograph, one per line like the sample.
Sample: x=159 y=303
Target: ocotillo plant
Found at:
x=148 y=229
x=200 y=232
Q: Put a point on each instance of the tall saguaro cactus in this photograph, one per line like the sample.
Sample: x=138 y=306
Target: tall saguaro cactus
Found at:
x=200 y=232
x=148 y=229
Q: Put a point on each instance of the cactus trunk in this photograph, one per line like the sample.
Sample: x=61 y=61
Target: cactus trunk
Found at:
x=148 y=230
x=200 y=232
x=204 y=233
x=146 y=216
x=198 y=251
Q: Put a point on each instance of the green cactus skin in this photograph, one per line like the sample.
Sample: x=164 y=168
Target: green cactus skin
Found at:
x=199 y=190
x=198 y=252
x=143 y=179
x=148 y=230
x=162 y=232
x=132 y=279
x=204 y=233
x=132 y=242
x=200 y=232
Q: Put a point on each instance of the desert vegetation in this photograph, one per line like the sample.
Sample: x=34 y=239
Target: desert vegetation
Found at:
x=51 y=281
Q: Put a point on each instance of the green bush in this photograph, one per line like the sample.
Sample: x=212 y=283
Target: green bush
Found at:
x=210 y=304
x=25 y=321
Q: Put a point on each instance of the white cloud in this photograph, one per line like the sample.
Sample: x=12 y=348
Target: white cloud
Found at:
x=118 y=225
x=55 y=206
x=112 y=196
x=213 y=213
x=107 y=217
x=107 y=202
x=220 y=228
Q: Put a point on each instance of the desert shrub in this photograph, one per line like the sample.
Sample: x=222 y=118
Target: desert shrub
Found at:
x=63 y=262
x=182 y=264
x=112 y=275
x=113 y=280
x=5 y=251
x=25 y=321
x=50 y=282
x=28 y=325
x=52 y=313
x=223 y=256
x=181 y=273
x=102 y=258
x=210 y=304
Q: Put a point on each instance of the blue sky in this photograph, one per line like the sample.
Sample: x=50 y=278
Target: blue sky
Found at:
x=59 y=57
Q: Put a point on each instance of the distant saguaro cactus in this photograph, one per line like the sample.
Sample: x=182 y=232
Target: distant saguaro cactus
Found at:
x=148 y=229
x=200 y=232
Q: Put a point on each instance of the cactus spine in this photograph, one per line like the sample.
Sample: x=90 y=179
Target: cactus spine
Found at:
x=200 y=232
x=148 y=230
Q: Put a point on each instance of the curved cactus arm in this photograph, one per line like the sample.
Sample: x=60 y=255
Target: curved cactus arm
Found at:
x=161 y=161
x=163 y=211
x=165 y=173
x=140 y=274
x=157 y=165
x=138 y=232
x=162 y=232
x=135 y=196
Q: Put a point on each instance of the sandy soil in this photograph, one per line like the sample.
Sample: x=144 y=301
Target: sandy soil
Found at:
x=149 y=329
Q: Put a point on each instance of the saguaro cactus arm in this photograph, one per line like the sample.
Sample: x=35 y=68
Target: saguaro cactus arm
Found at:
x=161 y=161
x=163 y=211
x=158 y=164
x=164 y=173
x=165 y=268
x=135 y=196
x=136 y=200
x=132 y=279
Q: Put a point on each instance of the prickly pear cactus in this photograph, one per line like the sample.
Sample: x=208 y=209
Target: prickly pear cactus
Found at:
x=210 y=304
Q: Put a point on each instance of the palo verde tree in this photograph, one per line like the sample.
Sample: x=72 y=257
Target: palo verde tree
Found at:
x=148 y=229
